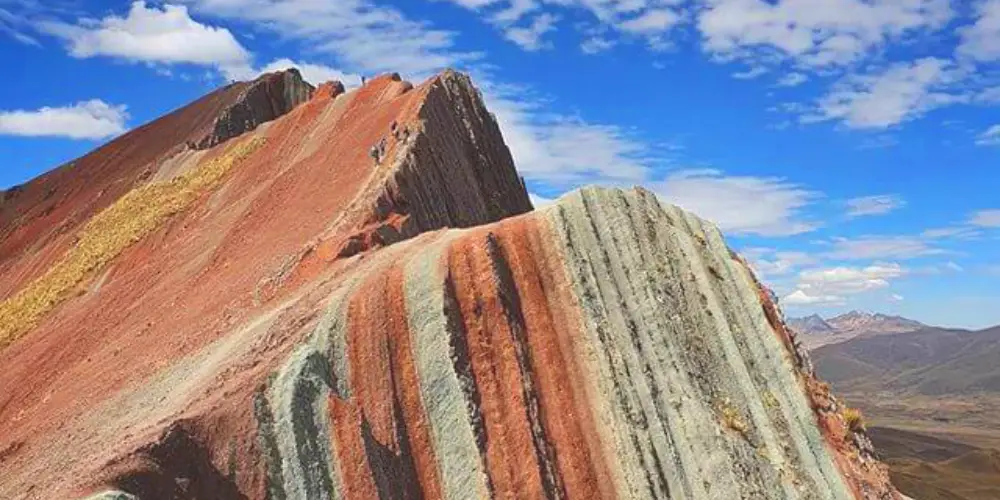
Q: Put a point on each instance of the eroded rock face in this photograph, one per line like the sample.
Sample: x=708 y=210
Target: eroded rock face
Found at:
x=606 y=347
x=310 y=328
x=265 y=99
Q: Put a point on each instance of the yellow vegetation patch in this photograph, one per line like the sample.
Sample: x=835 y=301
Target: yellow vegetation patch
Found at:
x=110 y=232
x=731 y=418
x=854 y=420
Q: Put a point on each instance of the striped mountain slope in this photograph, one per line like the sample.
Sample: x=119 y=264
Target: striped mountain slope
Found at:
x=606 y=346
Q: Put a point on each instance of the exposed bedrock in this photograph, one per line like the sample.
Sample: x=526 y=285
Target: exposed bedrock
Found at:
x=606 y=347
x=454 y=170
x=263 y=100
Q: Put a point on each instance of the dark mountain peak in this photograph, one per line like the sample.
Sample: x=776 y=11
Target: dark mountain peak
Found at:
x=268 y=97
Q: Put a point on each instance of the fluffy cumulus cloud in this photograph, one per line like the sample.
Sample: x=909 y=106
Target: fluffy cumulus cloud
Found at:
x=981 y=40
x=989 y=137
x=166 y=35
x=898 y=93
x=765 y=206
x=873 y=205
x=832 y=285
x=814 y=32
x=93 y=119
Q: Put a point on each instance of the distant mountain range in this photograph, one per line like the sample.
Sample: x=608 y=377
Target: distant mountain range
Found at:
x=933 y=395
x=931 y=362
x=816 y=331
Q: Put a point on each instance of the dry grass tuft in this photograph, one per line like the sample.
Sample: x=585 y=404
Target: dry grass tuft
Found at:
x=108 y=234
x=854 y=420
x=732 y=419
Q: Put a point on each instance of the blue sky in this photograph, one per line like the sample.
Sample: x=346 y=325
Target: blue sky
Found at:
x=848 y=148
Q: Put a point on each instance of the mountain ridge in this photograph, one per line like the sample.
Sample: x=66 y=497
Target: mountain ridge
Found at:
x=816 y=331
x=358 y=301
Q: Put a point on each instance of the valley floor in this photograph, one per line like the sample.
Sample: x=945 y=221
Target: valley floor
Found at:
x=936 y=448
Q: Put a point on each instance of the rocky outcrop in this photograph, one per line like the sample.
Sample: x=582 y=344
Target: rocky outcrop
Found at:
x=265 y=99
x=449 y=167
x=606 y=346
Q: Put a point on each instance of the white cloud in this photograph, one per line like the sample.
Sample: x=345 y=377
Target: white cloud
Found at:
x=750 y=74
x=596 y=44
x=93 y=119
x=14 y=26
x=833 y=284
x=956 y=232
x=780 y=263
x=954 y=266
x=986 y=218
x=362 y=36
x=989 y=95
x=475 y=4
x=880 y=247
x=652 y=21
x=801 y=298
x=896 y=297
x=766 y=206
x=793 y=79
x=151 y=35
x=562 y=150
x=873 y=205
x=981 y=40
x=567 y=150
x=530 y=38
x=815 y=32
x=989 y=137
x=901 y=92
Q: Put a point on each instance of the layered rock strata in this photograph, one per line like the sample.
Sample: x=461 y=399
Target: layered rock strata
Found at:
x=263 y=100
x=303 y=326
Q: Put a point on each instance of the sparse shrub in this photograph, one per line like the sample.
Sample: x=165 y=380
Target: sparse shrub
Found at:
x=732 y=419
x=854 y=420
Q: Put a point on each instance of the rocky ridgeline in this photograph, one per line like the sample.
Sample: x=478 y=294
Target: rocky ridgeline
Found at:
x=451 y=168
x=607 y=346
x=265 y=99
